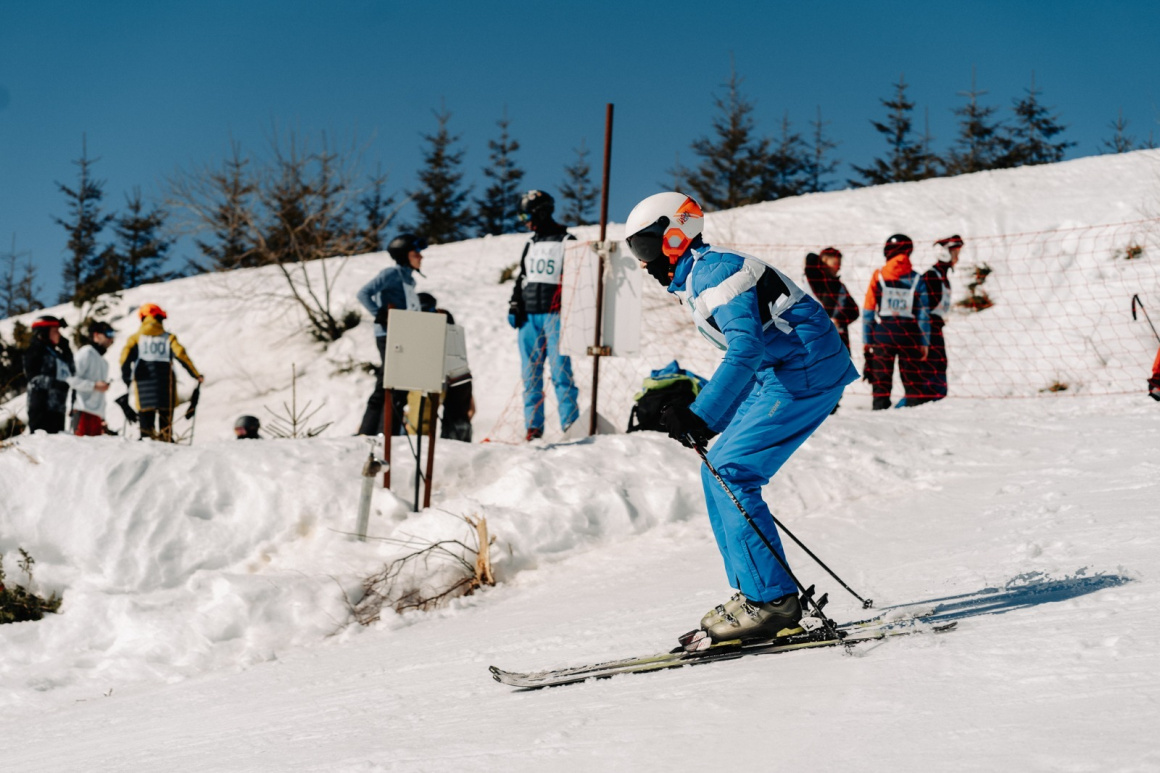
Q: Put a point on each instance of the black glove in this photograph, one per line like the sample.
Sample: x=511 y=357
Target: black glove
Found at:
x=517 y=317
x=130 y=414
x=687 y=427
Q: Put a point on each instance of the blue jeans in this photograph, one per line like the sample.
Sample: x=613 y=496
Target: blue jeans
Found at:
x=539 y=339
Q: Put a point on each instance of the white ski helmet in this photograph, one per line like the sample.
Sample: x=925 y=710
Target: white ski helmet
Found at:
x=663 y=224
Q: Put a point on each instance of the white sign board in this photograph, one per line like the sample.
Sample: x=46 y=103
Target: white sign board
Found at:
x=416 y=351
x=623 y=286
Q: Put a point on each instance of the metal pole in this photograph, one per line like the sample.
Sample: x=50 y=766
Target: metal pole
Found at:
x=418 y=450
x=369 y=471
x=1135 y=300
x=388 y=418
x=597 y=348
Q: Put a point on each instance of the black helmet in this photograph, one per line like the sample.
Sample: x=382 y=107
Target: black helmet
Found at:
x=536 y=206
x=46 y=321
x=249 y=426
x=403 y=245
x=427 y=302
x=899 y=244
x=100 y=326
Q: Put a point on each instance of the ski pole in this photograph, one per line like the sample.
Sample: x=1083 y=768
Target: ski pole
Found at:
x=866 y=603
x=1135 y=300
x=829 y=625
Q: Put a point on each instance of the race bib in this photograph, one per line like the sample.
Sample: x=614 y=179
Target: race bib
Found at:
x=62 y=371
x=544 y=263
x=153 y=348
x=412 y=297
x=896 y=302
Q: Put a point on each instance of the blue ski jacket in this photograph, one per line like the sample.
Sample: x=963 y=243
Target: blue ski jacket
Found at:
x=393 y=288
x=765 y=323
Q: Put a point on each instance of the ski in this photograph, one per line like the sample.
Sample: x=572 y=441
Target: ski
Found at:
x=850 y=634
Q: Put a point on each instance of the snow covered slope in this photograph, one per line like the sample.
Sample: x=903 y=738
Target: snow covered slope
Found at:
x=205 y=623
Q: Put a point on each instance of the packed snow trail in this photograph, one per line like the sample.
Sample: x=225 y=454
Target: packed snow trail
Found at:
x=941 y=500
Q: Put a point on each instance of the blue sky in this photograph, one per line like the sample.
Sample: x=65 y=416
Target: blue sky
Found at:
x=161 y=86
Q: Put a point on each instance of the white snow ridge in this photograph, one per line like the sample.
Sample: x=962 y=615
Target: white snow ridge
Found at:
x=206 y=622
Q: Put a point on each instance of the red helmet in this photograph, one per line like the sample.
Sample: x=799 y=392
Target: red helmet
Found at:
x=151 y=310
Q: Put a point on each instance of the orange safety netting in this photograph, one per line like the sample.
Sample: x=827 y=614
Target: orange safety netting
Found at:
x=1033 y=315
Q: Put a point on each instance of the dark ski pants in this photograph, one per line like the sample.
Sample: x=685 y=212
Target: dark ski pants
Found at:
x=162 y=418
x=902 y=344
x=372 y=420
x=51 y=422
x=936 y=363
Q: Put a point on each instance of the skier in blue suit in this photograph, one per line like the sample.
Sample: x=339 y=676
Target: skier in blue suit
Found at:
x=534 y=311
x=783 y=372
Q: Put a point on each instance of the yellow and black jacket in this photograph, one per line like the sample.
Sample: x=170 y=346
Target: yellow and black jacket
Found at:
x=147 y=362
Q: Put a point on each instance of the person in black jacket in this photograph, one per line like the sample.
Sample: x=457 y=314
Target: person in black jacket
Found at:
x=822 y=274
x=48 y=364
x=938 y=291
x=534 y=311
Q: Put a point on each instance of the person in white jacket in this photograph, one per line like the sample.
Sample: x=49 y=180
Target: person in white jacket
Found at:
x=90 y=382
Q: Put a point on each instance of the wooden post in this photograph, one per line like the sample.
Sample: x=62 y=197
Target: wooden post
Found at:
x=597 y=348
x=430 y=448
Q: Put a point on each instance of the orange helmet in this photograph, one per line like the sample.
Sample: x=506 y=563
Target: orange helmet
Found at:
x=151 y=310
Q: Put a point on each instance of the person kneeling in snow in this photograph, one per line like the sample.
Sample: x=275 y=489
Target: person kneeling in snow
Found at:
x=91 y=381
x=783 y=372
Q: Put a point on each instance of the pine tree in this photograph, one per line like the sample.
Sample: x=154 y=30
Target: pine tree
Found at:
x=496 y=211
x=18 y=290
x=1032 y=139
x=1121 y=141
x=440 y=199
x=818 y=164
x=680 y=176
x=285 y=198
x=905 y=159
x=141 y=249
x=228 y=213
x=981 y=143
x=86 y=268
x=577 y=193
x=785 y=171
x=733 y=160
x=929 y=164
x=378 y=210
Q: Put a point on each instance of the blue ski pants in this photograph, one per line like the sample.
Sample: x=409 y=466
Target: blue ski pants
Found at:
x=767 y=428
x=539 y=340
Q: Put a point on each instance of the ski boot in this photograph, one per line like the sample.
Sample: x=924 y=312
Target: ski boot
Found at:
x=717 y=613
x=759 y=620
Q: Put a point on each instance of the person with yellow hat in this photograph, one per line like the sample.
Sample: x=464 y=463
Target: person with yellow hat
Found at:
x=147 y=368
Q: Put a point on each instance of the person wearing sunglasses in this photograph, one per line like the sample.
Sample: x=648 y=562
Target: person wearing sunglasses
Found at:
x=534 y=311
